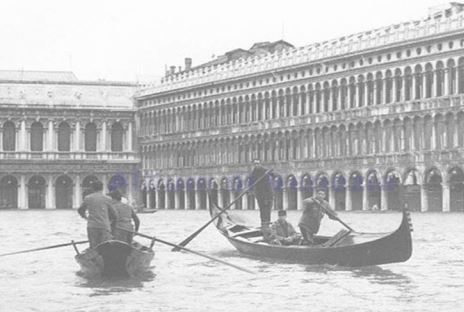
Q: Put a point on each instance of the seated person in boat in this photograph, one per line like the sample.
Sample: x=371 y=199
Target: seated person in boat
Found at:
x=122 y=227
x=97 y=210
x=264 y=195
x=282 y=232
x=314 y=209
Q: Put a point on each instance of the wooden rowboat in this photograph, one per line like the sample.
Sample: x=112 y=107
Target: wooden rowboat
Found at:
x=350 y=249
x=115 y=258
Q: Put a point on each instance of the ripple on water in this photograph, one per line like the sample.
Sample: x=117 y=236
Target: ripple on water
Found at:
x=47 y=280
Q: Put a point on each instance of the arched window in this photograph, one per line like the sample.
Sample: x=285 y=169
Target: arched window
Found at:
x=36 y=137
x=64 y=137
x=117 y=133
x=9 y=136
x=90 y=137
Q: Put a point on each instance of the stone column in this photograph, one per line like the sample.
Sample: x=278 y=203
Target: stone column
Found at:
x=51 y=137
x=284 y=199
x=219 y=198
x=130 y=188
x=50 y=197
x=365 y=199
x=446 y=197
x=424 y=198
x=22 y=193
x=384 y=198
x=300 y=198
x=104 y=182
x=348 y=203
x=77 y=136
x=1 y=139
x=129 y=137
x=77 y=199
x=148 y=198
x=103 y=137
x=445 y=82
x=331 y=196
x=198 y=199
x=23 y=133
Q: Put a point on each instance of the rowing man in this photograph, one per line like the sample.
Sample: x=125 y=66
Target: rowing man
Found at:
x=96 y=209
x=314 y=209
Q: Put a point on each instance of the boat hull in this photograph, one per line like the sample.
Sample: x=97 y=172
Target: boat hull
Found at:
x=354 y=250
x=115 y=259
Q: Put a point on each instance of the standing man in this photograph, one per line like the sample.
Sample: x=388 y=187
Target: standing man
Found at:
x=314 y=209
x=263 y=193
x=99 y=215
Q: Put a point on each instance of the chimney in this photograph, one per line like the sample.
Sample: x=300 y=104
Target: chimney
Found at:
x=173 y=69
x=188 y=63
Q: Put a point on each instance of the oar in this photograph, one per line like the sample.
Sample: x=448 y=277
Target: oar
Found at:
x=329 y=212
x=192 y=251
x=43 y=248
x=192 y=236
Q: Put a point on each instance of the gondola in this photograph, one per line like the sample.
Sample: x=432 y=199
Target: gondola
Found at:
x=348 y=249
x=115 y=259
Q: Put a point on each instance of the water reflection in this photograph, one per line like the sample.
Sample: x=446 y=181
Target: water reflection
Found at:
x=104 y=286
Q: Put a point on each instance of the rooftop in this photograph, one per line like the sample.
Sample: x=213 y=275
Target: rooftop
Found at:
x=37 y=75
x=441 y=19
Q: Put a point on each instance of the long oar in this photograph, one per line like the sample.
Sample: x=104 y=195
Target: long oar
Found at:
x=192 y=251
x=329 y=212
x=192 y=236
x=43 y=248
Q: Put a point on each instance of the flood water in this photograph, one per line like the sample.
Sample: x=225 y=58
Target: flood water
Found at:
x=432 y=280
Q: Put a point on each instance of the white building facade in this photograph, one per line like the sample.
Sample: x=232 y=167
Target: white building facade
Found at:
x=375 y=118
x=59 y=134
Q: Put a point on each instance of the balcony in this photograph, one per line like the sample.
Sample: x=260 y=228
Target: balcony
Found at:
x=370 y=161
x=327 y=118
x=71 y=156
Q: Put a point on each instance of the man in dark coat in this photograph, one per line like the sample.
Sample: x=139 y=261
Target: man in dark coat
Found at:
x=314 y=209
x=263 y=193
x=96 y=209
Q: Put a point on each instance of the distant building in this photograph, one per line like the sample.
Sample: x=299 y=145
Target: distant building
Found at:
x=59 y=134
x=374 y=118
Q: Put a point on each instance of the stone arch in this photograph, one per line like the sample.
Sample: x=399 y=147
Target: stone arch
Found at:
x=213 y=188
x=9 y=136
x=392 y=188
x=8 y=192
x=180 y=193
x=171 y=194
x=433 y=180
x=411 y=189
x=356 y=190
x=456 y=188
x=87 y=184
x=292 y=192
x=161 y=194
x=201 y=186
x=64 y=137
x=278 y=186
x=306 y=186
x=339 y=190
x=117 y=182
x=117 y=135
x=322 y=183
x=372 y=187
x=36 y=192
x=64 y=192
x=37 y=135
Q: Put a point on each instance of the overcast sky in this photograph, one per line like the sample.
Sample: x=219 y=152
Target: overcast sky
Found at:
x=135 y=39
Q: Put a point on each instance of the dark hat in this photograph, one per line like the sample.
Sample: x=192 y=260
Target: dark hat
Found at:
x=281 y=213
